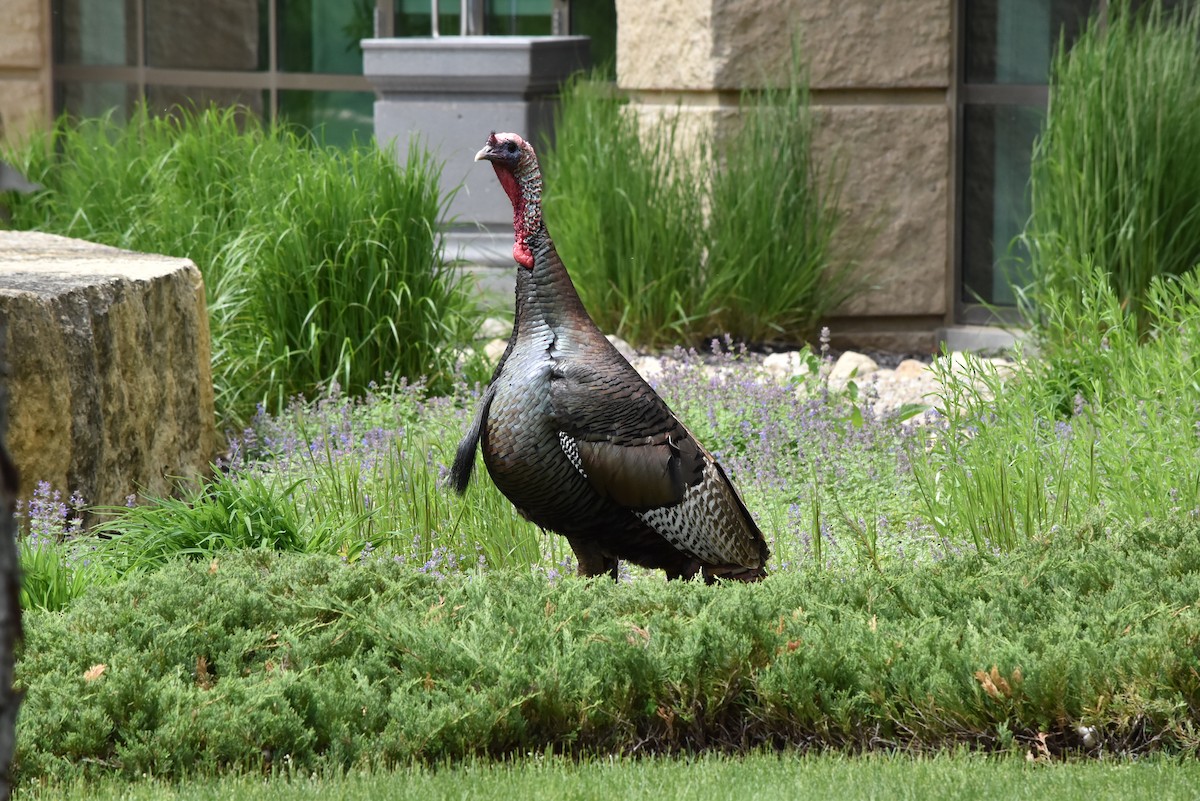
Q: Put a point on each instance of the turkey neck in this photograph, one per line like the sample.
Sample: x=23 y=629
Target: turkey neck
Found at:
x=545 y=294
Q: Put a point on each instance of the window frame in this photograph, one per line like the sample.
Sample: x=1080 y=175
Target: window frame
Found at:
x=270 y=81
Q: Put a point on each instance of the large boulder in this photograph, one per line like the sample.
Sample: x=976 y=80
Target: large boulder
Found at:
x=109 y=380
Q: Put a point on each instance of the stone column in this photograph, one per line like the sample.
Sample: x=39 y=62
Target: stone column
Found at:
x=25 y=96
x=880 y=78
x=109 y=375
x=449 y=93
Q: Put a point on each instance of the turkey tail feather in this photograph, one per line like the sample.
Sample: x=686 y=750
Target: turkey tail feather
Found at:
x=464 y=457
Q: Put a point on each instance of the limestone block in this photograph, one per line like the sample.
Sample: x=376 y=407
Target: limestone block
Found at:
x=109 y=380
x=699 y=123
x=846 y=44
x=896 y=166
x=730 y=44
x=666 y=44
x=22 y=40
x=24 y=108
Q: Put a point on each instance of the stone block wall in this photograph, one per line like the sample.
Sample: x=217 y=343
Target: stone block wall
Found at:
x=109 y=380
x=880 y=79
x=25 y=91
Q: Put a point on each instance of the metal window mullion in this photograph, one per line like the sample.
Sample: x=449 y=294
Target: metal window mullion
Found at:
x=385 y=19
x=471 y=18
x=213 y=79
x=272 y=60
x=140 y=63
x=1003 y=94
x=560 y=18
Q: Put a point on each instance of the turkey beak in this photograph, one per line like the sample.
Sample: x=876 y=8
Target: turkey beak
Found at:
x=483 y=153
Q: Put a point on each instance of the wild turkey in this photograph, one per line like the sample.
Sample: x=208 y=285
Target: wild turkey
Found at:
x=576 y=439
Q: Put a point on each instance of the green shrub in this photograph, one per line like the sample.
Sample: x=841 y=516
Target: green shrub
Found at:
x=1115 y=179
x=262 y=659
x=667 y=244
x=321 y=265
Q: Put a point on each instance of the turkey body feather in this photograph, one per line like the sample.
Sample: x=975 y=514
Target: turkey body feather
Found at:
x=579 y=442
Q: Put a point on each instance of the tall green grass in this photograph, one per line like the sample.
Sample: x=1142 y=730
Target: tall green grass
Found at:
x=771 y=272
x=626 y=215
x=674 y=238
x=1115 y=177
x=1020 y=457
x=321 y=265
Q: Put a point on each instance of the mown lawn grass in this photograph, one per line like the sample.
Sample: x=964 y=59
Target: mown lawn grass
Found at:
x=756 y=777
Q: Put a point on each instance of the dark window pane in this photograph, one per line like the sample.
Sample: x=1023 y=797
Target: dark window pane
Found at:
x=413 y=17
x=517 y=18
x=96 y=99
x=165 y=100
x=1011 y=41
x=598 y=19
x=203 y=34
x=323 y=35
x=95 y=32
x=335 y=118
x=997 y=144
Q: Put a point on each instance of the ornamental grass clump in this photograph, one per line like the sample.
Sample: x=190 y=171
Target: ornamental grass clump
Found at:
x=626 y=214
x=1019 y=457
x=672 y=237
x=1115 y=179
x=320 y=264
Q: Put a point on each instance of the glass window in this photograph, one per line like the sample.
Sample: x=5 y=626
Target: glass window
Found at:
x=203 y=34
x=413 y=17
x=1011 y=41
x=1008 y=46
x=335 y=118
x=997 y=143
x=96 y=99
x=97 y=32
x=518 y=17
x=306 y=68
x=165 y=100
x=322 y=36
x=599 y=21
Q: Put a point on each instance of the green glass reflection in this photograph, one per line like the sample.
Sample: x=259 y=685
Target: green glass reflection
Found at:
x=323 y=35
x=998 y=143
x=413 y=17
x=334 y=118
x=598 y=20
x=518 y=17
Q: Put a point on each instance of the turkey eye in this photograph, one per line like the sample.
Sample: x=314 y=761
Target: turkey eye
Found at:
x=511 y=147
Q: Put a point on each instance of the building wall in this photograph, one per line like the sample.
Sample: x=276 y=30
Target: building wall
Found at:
x=881 y=75
x=25 y=92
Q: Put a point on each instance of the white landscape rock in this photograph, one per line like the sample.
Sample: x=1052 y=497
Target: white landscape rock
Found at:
x=494 y=349
x=851 y=365
x=623 y=347
x=912 y=369
x=785 y=366
x=648 y=367
x=494 y=327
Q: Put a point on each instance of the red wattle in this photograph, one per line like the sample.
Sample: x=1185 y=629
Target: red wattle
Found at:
x=523 y=255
